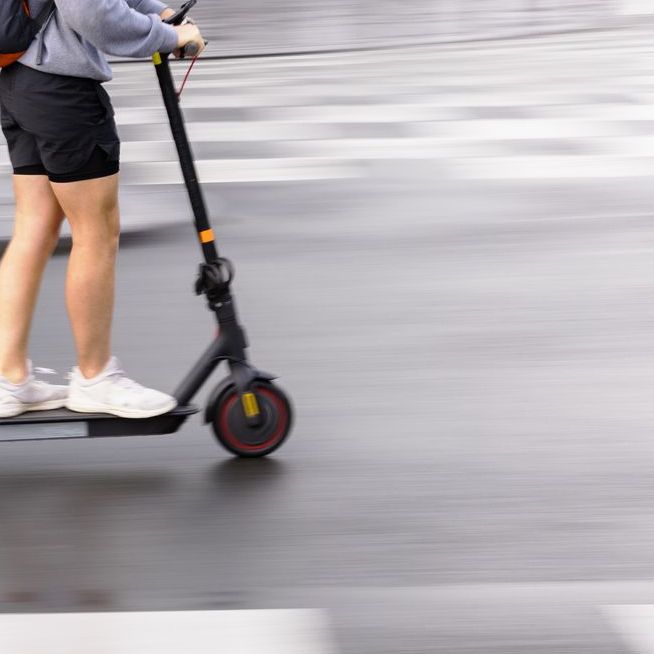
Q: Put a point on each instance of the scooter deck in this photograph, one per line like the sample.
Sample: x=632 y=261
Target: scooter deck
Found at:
x=63 y=424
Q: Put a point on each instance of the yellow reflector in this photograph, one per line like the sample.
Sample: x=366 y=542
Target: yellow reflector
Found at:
x=207 y=236
x=156 y=57
x=250 y=405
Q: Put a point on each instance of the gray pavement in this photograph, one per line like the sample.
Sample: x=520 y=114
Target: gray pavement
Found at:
x=469 y=364
x=469 y=353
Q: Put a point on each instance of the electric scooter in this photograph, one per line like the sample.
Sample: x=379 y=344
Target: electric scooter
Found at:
x=249 y=414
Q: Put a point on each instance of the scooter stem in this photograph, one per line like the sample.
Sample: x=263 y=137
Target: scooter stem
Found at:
x=171 y=101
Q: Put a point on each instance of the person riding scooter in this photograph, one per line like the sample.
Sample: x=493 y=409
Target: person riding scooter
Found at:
x=65 y=152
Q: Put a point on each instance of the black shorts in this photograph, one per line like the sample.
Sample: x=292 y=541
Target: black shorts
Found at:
x=58 y=126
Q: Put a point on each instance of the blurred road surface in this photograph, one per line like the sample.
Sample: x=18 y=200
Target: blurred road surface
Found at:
x=572 y=106
x=459 y=301
x=258 y=26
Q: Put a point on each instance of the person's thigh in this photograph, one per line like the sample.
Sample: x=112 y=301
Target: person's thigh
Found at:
x=91 y=207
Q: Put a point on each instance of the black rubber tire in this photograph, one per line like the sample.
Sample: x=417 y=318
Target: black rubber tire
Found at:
x=236 y=436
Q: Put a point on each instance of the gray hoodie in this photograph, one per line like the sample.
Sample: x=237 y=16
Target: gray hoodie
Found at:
x=76 y=35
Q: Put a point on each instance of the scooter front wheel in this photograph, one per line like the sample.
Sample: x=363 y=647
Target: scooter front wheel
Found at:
x=237 y=435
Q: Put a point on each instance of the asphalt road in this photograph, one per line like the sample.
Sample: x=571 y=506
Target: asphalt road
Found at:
x=470 y=358
x=472 y=380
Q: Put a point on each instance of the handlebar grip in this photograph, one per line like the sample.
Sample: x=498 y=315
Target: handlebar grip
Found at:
x=190 y=50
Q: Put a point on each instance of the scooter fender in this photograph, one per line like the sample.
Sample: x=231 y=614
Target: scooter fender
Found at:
x=224 y=386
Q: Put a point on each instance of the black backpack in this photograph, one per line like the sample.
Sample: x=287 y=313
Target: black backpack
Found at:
x=18 y=28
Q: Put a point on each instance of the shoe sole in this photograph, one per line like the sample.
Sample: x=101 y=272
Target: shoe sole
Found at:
x=134 y=414
x=19 y=409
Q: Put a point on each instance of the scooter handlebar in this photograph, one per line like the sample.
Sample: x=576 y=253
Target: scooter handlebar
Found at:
x=191 y=50
x=180 y=15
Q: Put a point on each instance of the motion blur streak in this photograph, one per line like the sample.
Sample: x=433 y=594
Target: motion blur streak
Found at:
x=445 y=251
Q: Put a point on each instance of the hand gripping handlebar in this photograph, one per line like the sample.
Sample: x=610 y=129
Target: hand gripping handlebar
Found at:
x=190 y=50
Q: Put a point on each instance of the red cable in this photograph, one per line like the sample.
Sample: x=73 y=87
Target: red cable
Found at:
x=188 y=72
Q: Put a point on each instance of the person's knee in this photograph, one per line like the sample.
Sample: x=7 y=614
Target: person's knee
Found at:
x=100 y=232
x=38 y=240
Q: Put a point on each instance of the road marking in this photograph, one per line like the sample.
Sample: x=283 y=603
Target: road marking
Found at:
x=236 y=130
x=523 y=128
x=236 y=171
x=635 y=624
x=550 y=167
x=636 y=7
x=187 y=632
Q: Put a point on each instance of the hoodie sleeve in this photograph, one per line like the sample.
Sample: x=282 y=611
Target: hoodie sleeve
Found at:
x=116 y=29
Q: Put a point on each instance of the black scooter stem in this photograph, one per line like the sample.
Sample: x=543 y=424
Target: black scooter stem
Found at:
x=178 y=128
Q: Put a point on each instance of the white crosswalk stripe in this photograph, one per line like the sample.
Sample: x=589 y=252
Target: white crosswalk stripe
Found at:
x=635 y=623
x=190 y=632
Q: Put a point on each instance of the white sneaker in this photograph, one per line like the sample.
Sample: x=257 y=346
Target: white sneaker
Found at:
x=113 y=392
x=31 y=395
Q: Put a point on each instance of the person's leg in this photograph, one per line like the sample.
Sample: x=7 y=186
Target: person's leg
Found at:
x=36 y=231
x=98 y=384
x=91 y=207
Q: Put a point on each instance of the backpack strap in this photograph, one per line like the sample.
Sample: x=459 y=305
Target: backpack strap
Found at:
x=41 y=21
x=42 y=18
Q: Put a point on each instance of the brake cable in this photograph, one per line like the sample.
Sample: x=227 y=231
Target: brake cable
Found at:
x=188 y=73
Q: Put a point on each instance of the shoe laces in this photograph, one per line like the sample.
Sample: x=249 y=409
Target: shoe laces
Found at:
x=120 y=378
